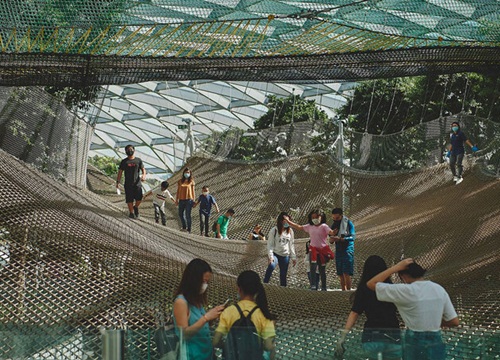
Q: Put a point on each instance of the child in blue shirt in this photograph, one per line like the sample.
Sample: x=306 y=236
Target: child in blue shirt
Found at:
x=206 y=201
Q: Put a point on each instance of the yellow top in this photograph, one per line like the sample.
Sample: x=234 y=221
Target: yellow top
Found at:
x=185 y=190
x=264 y=326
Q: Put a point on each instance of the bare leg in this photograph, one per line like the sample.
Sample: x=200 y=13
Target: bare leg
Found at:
x=130 y=207
x=342 y=282
x=348 y=281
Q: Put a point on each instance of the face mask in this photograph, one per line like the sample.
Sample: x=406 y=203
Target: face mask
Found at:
x=187 y=175
x=129 y=152
x=316 y=221
x=286 y=226
x=454 y=128
x=205 y=193
x=204 y=287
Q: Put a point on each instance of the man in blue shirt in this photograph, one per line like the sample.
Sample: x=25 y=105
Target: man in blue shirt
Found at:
x=344 y=237
x=206 y=201
x=457 y=151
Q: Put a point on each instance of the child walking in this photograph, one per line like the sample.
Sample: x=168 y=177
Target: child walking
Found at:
x=206 y=201
x=159 y=196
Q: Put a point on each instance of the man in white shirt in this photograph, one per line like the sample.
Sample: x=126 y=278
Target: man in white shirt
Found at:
x=424 y=306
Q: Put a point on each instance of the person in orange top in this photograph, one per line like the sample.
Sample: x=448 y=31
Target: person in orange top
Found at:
x=185 y=198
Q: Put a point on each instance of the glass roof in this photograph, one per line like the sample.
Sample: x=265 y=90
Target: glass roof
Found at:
x=153 y=115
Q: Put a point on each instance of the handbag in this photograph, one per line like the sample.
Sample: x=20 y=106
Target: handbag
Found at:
x=167 y=342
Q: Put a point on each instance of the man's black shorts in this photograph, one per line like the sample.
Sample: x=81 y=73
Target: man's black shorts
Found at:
x=133 y=193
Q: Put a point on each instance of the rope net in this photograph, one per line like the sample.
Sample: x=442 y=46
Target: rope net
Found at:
x=130 y=41
x=72 y=262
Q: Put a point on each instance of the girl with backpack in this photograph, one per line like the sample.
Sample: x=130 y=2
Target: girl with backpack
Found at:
x=249 y=325
x=190 y=316
x=280 y=248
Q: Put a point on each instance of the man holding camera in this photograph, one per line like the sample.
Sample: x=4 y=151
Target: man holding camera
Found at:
x=344 y=236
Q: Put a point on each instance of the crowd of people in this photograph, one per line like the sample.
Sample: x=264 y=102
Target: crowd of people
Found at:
x=424 y=306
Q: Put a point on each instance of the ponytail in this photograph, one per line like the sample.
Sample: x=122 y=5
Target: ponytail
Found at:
x=249 y=283
x=261 y=300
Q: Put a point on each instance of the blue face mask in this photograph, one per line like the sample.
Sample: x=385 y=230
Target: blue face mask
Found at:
x=454 y=128
x=286 y=226
x=187 y=175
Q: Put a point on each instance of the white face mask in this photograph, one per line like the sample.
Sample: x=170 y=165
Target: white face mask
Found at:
x=316 y=221
x=204 y=287
x=205 y=193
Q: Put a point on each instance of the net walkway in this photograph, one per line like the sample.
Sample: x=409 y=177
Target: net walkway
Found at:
x=71 y=261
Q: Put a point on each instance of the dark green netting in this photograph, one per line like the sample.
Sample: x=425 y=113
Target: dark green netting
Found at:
x=86 y=40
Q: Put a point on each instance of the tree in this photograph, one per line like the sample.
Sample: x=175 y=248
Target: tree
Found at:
x=107 y=164
x=289 y=110
x=390 y=106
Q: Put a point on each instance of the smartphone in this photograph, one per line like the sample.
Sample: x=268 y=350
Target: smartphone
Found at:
x=228 y=301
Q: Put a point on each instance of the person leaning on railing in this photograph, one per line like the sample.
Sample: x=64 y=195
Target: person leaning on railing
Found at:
x=424 y=306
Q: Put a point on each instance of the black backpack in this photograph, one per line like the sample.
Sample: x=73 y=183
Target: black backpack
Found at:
x=243 y=342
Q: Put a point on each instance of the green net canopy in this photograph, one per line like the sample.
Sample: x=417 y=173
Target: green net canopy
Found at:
x=127 y=41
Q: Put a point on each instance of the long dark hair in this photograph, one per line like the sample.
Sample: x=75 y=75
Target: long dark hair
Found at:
x=191 y=281
x=279 y=222
x=374 y=265
x=318 y=212
x=183 y=179
x=250 y=284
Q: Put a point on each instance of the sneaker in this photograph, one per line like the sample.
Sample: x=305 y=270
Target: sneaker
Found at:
x=136 y=211
x=460 y=179
x=455 y=178
x=131 y=215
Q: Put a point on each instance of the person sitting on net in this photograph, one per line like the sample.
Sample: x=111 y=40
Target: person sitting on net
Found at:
x=257 y=233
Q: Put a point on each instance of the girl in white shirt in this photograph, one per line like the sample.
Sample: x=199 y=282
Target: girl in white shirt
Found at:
x=280 y=249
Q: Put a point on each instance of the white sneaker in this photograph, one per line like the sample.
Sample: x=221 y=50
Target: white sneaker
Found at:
x=455 y=178
x=460 y=179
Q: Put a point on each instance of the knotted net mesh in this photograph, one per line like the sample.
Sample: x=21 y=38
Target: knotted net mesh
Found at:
x=73 y=262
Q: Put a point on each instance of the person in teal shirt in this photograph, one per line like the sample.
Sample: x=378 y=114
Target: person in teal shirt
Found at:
x=190 y=316
x=222 y=224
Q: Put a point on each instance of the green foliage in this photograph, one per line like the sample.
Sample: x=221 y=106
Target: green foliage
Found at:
x=74 y=97
x=283 y=110
x=106 y=164
x=252 y=148
x=389 y=106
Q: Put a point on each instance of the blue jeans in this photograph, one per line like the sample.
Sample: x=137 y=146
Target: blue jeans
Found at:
x=204 y=223
x=283 y=262
x=425 y=345
x=185 y=207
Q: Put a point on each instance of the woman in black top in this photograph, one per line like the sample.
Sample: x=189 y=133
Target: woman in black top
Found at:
x=381 y=332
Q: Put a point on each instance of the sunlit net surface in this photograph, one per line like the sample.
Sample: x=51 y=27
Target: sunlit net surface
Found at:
x=72 y=261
